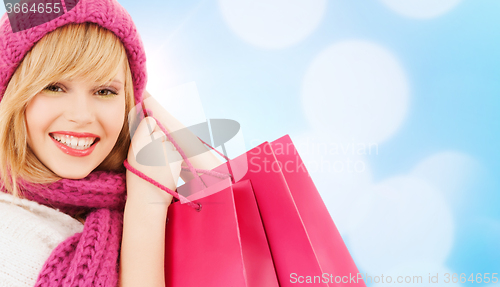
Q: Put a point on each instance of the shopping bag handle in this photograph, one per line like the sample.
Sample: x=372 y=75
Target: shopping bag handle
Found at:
x=221 y=175
x=196 y=206
x=194 y=171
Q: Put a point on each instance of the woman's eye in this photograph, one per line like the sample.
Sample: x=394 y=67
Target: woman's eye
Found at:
x=106 y=93
x=53 y=88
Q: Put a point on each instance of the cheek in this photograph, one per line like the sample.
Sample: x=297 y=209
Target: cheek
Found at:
x=39 y=115
x=113 y=118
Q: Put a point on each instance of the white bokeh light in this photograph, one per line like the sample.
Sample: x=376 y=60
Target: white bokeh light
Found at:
x=182 y=101
x=453 y=173
x=421 y=9
x=357 y=89
x=401 y=221
x=339 y=170
x=272 y=24
x=157 y=68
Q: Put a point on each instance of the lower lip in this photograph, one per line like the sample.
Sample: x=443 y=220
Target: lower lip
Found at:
x=74 y=152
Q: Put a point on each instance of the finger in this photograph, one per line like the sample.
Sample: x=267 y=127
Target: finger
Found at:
x=159 y=134
x=175 y=169
x=158 y=110
x=169 y=146
x=143 y=134
x=152 y=146
x=151 y=103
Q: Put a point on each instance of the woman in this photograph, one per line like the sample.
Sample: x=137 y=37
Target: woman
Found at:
x=67 y=89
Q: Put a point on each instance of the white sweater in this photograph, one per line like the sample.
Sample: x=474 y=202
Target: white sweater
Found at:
x=28 y=234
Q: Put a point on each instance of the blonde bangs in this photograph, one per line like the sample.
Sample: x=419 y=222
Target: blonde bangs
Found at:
x=86 y=51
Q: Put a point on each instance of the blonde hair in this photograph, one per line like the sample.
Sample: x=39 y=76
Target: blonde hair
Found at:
x=84 y=50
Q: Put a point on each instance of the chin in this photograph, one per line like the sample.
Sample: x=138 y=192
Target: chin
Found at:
x=76 y=176
x=73 y=174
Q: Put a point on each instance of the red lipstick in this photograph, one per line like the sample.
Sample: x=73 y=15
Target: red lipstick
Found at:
x=75 y=152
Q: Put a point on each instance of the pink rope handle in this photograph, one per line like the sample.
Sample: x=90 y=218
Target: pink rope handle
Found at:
x=221 y=175
x=190 y=167
x=225 y=157
x=197 y=206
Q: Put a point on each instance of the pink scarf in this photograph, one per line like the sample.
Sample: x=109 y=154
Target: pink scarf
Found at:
x=89 y=258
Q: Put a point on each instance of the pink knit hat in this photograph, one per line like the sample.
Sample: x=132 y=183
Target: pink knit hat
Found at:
x=106 y=13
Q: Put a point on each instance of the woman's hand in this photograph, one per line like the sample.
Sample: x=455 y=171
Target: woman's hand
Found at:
x=154 y=155
x=143 y=244
x=198 y=154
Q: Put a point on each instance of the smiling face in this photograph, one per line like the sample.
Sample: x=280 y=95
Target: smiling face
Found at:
x=64 y=87
x=72 y=125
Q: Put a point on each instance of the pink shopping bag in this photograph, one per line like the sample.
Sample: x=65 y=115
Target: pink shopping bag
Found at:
x=214 y=233
x=223 y=244
x=264 y=224
x=304 y=242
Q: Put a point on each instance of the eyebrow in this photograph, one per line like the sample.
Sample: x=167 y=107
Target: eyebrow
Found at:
x=117 y=81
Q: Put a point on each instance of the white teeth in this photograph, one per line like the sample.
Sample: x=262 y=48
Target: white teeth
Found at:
x=74 y=142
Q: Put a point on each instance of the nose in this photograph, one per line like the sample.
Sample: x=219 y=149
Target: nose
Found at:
x=79 y=109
